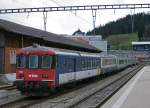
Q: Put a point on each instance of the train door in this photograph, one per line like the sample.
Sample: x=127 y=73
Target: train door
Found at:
x=66 y=70
x=99 y=66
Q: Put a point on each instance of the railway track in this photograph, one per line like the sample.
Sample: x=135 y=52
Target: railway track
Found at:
x=70 y=98
x=9 y=95
x=7 y=87
x=25 y=102
x=96 y=99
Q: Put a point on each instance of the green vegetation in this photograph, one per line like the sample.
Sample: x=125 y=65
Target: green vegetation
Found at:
x=124 y=26
x=122 y=41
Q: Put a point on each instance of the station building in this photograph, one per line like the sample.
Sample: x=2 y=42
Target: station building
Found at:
x=15 y=36
x=95 y=41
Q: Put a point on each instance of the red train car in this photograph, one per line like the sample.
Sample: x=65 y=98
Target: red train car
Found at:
x=42 y=69
x=35 y=70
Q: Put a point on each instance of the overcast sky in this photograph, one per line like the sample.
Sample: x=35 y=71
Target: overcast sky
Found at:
x=67 y=22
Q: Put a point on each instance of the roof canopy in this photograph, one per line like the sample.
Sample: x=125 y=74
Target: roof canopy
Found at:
x=46 y=36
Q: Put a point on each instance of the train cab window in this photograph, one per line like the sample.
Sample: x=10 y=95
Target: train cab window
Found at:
x=33 y=61
x=21 y=61
x=46 y=61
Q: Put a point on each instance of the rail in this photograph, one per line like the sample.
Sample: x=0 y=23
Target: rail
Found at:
x=97 y=98
x=74 y=98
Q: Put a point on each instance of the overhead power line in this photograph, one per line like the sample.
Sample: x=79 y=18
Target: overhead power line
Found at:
x=73 y=13
x=74 y=8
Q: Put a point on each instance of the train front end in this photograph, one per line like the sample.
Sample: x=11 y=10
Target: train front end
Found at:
x=35 y=72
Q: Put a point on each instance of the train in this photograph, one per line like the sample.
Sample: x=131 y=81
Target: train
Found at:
x=40 y=69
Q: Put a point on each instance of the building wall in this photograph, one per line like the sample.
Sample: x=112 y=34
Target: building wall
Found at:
x=102 y=45
x=2 y=39
x=14 y=42
x=1 y=60
x=94 y=40
x=10 y=60
x=2 y=43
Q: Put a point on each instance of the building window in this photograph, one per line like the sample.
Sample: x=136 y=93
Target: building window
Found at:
x=13 y=57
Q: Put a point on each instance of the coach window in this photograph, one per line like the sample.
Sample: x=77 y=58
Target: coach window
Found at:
x=89 y=63
x=65 y=65
x=86 y=63
x=98 y=62
x=121 y=62
x=92 y=63
x=46 y=61
x=70 y=65
x=104 y=62
x=114 y=60
x=82 y=64
x=33 y=61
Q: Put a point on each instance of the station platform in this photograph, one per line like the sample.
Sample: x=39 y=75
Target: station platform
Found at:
x=134 y=94
x=6 y=79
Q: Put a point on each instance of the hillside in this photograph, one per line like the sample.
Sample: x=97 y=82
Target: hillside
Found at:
x=122 y=41
x=124 y=26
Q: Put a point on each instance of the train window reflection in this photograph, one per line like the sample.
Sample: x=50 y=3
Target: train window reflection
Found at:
x=46 y=61
x=33 y=61
x=21 y=61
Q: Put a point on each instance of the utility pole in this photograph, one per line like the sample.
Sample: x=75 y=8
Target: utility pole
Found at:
x=94 y=20
x=45 y=19
x=132 y=20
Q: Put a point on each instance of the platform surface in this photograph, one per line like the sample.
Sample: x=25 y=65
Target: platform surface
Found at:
x=135 y=94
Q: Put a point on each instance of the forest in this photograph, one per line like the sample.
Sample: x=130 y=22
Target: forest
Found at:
x=139 y=23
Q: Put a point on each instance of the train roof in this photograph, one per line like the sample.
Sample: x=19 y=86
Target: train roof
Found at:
x=105 y=55
x=59 y=51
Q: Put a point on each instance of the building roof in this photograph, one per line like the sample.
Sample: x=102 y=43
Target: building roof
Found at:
x=47 y=36
x=141 y=43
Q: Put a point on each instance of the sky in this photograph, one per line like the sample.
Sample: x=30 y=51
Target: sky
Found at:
x=67 y=22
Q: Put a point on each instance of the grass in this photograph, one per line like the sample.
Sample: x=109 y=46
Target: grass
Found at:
x=122 y=41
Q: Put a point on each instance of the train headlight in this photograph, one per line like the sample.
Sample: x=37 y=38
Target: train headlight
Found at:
x=21 y=72
x=21 y=76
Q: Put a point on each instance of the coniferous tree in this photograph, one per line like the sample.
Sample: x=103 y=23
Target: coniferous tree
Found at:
x=124 y=25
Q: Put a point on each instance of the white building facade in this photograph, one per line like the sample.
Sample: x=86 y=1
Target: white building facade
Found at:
x=95 y=41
